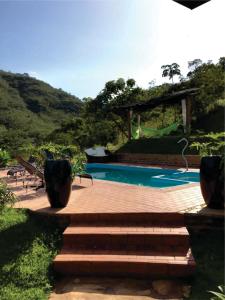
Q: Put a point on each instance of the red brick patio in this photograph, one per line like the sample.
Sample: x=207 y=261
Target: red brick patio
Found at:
x=111 y=197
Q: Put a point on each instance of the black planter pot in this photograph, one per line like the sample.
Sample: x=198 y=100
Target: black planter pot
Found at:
x=212 y=181
x=58 y=181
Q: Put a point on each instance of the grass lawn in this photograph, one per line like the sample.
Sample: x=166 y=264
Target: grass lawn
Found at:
x=28 y=244
x=27 y=247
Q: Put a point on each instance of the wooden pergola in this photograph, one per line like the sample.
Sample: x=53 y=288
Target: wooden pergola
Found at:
x=184 y=97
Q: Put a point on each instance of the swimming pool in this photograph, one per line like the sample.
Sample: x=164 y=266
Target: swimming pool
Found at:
x=142 y=176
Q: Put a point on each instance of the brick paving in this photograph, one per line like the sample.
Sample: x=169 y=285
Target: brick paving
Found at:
x=110 y=197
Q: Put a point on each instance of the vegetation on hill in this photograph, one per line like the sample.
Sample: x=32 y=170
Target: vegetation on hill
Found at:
x=31 y=109
x=34 y=112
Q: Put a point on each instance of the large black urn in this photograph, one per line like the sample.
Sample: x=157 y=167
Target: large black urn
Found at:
x=212 y=181
x=58 y=182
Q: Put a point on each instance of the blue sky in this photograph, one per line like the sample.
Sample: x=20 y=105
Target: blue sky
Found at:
x=79 y=45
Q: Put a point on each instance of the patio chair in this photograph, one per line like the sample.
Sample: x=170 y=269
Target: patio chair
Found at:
x=33 y=171
x=85 y=175
x=16 y=171
x=98 y=155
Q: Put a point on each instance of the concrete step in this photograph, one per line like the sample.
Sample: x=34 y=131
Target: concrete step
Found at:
x=115 y=264
x=126 y=237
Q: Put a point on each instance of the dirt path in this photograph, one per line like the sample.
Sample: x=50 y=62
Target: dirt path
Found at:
x=73 y=288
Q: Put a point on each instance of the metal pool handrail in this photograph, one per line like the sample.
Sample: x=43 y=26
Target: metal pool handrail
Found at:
x=182 y=153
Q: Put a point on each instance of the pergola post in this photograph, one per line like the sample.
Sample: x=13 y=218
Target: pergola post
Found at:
x=138 y=121
x=186 y=114
x=129 y=124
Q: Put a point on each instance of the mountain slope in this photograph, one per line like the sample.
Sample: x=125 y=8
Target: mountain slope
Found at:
x=30 y=109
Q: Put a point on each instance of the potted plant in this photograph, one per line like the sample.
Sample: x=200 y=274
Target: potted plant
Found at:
x=58 y=180
x=212 y=170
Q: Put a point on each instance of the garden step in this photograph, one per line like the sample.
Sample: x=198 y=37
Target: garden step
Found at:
x=124 y=265
x=126 y=237
x=126 y=244
x=147 y=252
x=170 y=219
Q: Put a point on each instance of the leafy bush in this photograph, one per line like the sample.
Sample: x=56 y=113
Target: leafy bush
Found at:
x=214 y=144
x=6 y=196
x=71 y=152
x=4 y=158
x=219 y=295
x=78 y=164
x=57 y=151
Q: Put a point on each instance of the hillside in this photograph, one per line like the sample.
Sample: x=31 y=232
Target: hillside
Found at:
x=30 y=109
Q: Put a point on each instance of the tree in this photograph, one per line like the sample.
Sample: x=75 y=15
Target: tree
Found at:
x=209 y=78
x=131 y=83
x=193 y=64
x=152 y=83
x=171 y=70
x=222 y=63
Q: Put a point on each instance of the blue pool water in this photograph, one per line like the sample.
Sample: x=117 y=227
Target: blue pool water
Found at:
x=153 y=177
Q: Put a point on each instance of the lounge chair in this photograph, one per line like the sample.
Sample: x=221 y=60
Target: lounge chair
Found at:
x=85 y=175
x=16 y=171
x=98 y=154
x=32 y=170
x=19 y=170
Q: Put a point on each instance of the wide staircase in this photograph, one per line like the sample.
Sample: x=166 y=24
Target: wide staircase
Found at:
x=126 y=244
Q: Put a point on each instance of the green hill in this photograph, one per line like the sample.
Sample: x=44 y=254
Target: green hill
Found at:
x=30 y=109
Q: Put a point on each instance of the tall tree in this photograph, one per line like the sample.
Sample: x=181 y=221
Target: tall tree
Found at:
x=193 y=65
x=222 y=63
x=171 y=70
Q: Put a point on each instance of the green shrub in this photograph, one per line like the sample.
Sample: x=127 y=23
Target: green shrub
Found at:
x=78 y=164
x=71 y=152
x=219 y=295
x=4 y=158
x=214 y=144
x=58 y=152
x=6 y=196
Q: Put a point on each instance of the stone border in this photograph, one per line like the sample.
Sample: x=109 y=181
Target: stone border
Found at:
x=158 y=159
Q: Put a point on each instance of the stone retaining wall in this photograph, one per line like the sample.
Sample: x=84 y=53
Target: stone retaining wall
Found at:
x=158 y=159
